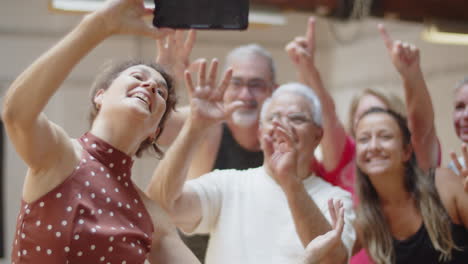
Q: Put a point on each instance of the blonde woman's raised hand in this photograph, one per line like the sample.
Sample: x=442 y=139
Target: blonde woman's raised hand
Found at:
x=405 y=56
x=463 y=171
x=322 y=246
x=126 y=17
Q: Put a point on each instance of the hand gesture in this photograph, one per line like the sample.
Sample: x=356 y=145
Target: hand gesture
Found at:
x=174 y=52
x=206 y=104
x=405 y=56
x=126 y=17
x=281 y=155
x=463 y=171
x=322 y=246
x=302 y=50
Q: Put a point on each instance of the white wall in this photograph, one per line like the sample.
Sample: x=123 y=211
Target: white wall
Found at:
x=27 y=29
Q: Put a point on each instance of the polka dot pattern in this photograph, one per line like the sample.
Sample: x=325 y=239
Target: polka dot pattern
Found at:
x=94 y=204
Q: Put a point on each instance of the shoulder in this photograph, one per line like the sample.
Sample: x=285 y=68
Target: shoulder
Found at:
x=449 y=186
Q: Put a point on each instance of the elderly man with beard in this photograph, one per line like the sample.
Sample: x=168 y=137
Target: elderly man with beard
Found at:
x=230 y=144
x=263 y=215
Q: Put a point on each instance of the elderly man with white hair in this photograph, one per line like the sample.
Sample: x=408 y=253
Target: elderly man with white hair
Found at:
x=262 y=215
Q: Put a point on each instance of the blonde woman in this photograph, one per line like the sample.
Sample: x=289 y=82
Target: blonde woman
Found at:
x=405 y=214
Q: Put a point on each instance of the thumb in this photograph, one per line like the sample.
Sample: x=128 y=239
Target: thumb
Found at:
x=230 y=108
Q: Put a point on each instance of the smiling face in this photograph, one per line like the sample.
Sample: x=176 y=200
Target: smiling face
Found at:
x=379 y=145
x=460 y=113
x=252 y=82
x=292 y=113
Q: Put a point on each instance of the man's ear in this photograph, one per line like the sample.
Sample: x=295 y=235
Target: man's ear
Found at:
x=318 y=134
x=98 y=97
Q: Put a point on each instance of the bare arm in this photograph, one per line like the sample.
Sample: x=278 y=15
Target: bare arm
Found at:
x=283 y=164
x=167 y=247
x=302 y=52
x=406 y=59
x=39 y=142
x=167 y=184
x=320 y=249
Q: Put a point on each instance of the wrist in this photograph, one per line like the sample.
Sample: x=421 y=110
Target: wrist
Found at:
x=293 y=186
x=98 y=21
x=412 y=77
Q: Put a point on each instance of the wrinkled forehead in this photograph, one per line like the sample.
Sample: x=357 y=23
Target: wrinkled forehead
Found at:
x=288 y=102
x=250 y=66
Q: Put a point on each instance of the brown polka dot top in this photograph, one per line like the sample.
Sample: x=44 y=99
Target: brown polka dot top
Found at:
x=94 y=216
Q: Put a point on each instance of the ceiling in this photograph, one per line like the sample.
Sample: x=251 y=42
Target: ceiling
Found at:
x=409 y=10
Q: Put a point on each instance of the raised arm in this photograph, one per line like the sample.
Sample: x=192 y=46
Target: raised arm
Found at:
x=302 y=53
x=282 y=160
x=38 y=141
x=173 y=52
x=320 y=249
x=167 y=183
x=405 y=57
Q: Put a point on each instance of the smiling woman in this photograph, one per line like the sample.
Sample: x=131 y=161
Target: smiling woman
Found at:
x=111 y=71
x=405 y=215
x=79 y=203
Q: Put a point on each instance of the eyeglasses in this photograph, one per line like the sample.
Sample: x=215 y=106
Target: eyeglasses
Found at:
x=252 y=84
x=291 y=119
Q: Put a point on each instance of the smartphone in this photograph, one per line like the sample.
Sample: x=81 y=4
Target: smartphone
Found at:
x=202 y=14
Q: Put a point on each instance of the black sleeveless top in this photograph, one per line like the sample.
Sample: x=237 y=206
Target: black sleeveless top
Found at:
x=231 y=155
x=418 y=248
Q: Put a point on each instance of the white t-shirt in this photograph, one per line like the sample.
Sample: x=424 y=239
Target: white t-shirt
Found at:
x=248 y=218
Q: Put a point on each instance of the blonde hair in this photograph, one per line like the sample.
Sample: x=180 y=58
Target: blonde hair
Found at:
x=391 y=100
x=376 y=235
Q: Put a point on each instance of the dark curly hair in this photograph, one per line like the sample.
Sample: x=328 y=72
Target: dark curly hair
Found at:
x=110 y=71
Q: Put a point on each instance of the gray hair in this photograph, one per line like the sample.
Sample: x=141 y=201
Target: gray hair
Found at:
x=252 y=49
x=461 y=83
x=302 y=91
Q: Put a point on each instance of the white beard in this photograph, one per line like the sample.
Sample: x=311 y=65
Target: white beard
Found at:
x=245 y=118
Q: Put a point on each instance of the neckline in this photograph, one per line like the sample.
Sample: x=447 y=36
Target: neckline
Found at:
x=114 y=159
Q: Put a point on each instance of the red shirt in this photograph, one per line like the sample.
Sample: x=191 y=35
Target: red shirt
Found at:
x=95 y=216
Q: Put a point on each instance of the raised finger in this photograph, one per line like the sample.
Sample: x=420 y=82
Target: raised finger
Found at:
x=456 y=162
x=212 y=74
x=340 y=224
x=202 y=74
x=190 y=41
x=224 y=82
x=331 y=209
x=385 y=36
x=189 y=82
x=179 y=38
x=310 y=33
x=465 y=153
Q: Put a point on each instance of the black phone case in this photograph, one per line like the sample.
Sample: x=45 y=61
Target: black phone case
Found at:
x=202 y=14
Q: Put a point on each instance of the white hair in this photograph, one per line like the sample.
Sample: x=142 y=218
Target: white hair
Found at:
x=252 y=49
x=302 y=91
